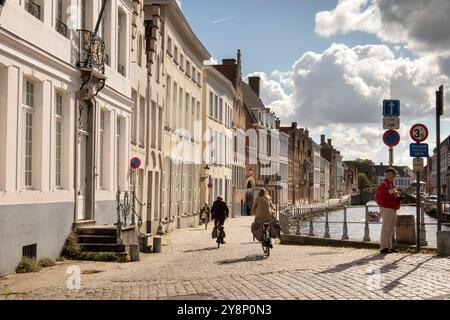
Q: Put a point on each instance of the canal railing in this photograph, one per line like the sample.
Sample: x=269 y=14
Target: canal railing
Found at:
x=293 y=219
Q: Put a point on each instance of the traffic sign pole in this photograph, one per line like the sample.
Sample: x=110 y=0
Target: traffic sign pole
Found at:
x=391 y=156
x=418 y=210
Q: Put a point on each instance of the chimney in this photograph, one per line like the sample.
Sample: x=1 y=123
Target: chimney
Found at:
x=294 y=125
x=381 y=163
x=229 y=61
x=277 y=124
x=329 y=143
x=254 y=83
x=322 y=139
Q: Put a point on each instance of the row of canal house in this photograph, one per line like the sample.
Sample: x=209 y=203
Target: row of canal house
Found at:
x=84 y=89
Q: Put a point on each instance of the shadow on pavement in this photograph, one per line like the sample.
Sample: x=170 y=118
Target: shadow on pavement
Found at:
x=199 y=250
x=348 y=265
x=244 y=259
x=393 y=284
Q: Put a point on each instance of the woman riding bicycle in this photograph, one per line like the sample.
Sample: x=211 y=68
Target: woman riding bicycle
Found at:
x=263 y=209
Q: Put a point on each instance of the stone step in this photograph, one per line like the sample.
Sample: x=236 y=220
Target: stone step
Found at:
x=97 y=230
x=102 y=247
x=97 y=239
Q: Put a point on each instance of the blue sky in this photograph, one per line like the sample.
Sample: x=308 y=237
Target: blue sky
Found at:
x=329 y=85
x=272 y=34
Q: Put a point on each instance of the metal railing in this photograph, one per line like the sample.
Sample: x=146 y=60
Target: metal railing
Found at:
x=33 y=8
x=301 y=216
x=126 y=212
x=61 y=27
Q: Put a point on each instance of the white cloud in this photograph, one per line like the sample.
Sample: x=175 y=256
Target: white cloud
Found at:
x=211 y=61
x=420 y=25
x=340 y=92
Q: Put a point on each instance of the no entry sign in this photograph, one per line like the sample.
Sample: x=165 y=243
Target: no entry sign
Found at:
x=391 y=138
x=135 y=163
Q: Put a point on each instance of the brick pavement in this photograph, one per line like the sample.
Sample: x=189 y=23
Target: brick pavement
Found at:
x=191 y=267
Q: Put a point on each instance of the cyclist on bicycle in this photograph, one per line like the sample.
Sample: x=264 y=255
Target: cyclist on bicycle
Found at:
x=263 y=209
x=219 y=212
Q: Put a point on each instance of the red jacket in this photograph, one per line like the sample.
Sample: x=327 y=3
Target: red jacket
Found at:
x=384 y=199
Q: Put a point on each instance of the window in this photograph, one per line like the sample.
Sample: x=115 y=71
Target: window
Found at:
x=188 y=68
x=216 y=107
x=175 y=105
x=211 y=104
x=59 y=139
x=169 y=46
x=83 y=14
x=186 y=116
x=194 y=74
x=28 y=134
x=153 y=127
x=139 y=53
x=175 y=55
x=134 y=117
x=193 y=115
x=118 y=152
x=221 y=110
x=102 y=150
x=199 y=79
x=142 y=122
x=180 y=108
x=181 y=61
x=33 y=7
x=168 y=97
x=121 y=33
x=60 y=26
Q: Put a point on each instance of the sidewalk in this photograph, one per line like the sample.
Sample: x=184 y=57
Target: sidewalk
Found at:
x=190 y=266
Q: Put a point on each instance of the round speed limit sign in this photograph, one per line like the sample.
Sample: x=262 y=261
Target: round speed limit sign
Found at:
x=419 y=133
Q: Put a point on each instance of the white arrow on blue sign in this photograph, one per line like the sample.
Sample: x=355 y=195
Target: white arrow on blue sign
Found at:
x=391 y=108
x=419 y=150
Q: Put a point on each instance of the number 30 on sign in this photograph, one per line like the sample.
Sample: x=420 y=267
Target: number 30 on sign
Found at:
x=419 y=133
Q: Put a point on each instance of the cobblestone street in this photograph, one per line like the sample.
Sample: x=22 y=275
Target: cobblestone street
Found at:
x=191 y=267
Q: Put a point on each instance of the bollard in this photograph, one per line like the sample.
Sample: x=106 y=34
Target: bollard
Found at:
x=366 y=228
x=157 y=244
x=423 y=232
x=327 y=227
x=134 y=252
x=298 y=232
x=345 y=231
x=311 y=225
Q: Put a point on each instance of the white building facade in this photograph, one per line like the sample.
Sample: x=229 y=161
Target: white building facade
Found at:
x=61 y=161
x=178 y=76
x=217 y=124
x=315 y=172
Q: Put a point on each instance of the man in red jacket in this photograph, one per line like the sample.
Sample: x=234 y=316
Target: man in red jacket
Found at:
x=388 y=198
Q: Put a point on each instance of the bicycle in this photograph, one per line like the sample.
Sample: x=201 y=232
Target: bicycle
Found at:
x=267 y=240
x=220 y=235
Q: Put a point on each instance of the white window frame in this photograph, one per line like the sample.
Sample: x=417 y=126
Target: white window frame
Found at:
x=59 y=138
x=28 y=111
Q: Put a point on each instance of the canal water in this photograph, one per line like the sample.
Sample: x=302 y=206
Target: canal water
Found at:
x=355 y=226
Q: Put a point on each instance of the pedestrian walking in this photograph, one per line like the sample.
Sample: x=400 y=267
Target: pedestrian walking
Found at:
x=205 y=213
x=388 y=198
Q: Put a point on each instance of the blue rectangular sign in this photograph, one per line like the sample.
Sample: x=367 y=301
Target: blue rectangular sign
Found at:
x=419 y=150
x=391 y=108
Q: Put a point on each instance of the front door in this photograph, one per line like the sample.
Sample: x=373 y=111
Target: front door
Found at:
x=81 y=176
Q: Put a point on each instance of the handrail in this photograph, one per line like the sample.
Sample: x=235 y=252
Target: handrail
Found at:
x=295 y=218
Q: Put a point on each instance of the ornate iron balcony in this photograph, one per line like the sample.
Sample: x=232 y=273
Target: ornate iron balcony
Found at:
x=61 y=28
x=91 y=51
x=33 y=8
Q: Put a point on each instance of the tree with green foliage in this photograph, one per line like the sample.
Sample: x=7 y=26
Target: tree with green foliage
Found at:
x=363 y=181
x=367 y=167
